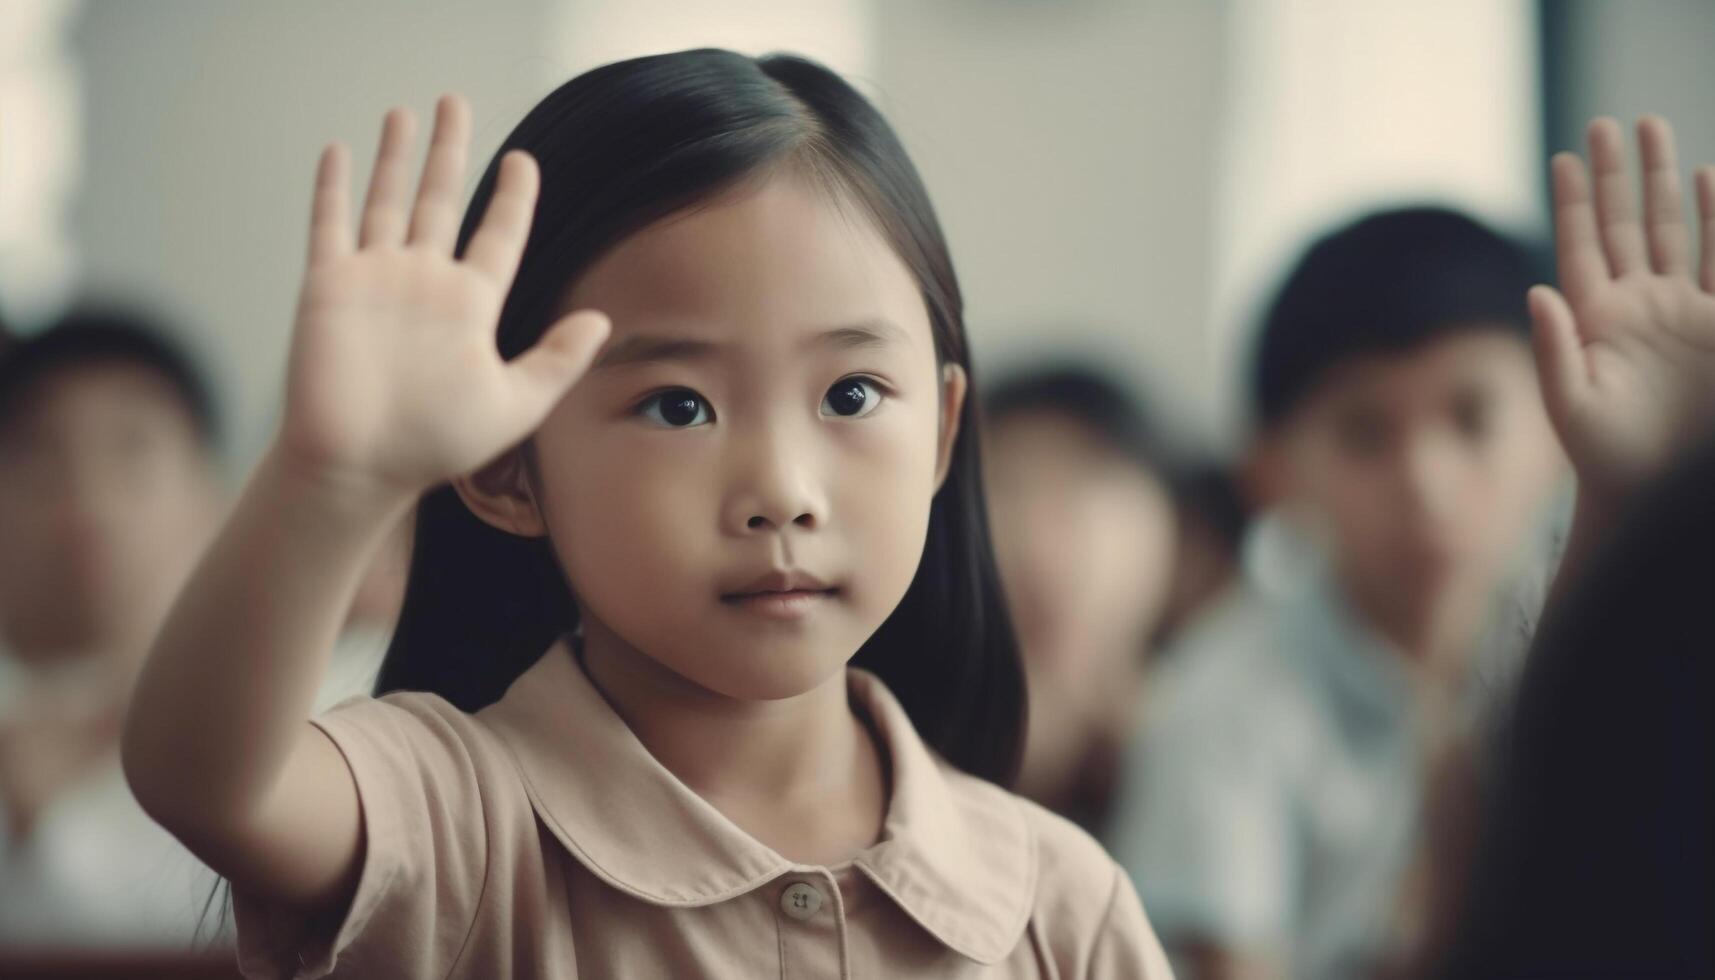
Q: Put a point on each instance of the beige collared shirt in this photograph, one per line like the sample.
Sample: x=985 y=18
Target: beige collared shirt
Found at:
x=539 y=838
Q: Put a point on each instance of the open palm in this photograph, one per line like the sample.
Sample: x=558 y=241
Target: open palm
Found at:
x=1627 y=347
x=394 y=376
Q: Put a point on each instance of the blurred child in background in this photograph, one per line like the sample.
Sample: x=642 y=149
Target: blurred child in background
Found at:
x=109 y=490
x=1085 y=533
x=1403 y=448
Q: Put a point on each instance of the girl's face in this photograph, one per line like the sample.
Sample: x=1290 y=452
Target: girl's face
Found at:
x=739 y=488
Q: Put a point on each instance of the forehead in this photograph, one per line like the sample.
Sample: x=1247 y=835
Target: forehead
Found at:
x=97 y=394
x=1028 y=435
x=1484 y=358
x=781 y=255
x=1047 y=447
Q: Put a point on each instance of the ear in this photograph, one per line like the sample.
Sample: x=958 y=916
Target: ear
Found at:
x=500 y=494
x=954 y=387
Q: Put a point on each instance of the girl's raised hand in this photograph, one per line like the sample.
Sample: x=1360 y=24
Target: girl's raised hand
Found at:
x=1626 y=347
x=394 y=381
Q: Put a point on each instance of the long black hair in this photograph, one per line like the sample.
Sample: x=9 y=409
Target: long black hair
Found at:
x=621 y=147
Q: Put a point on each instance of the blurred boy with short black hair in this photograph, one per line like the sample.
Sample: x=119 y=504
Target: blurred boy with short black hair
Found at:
x=1402 y=446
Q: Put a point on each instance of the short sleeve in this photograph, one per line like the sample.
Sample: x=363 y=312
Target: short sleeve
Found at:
x=1204 y=827
x=1126 y=945
x=426 y=796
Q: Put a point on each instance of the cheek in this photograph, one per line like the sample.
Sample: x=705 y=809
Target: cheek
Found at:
x=628 y=510
x=1360 y=505
x=636 y=518
x=879 y=480
x=1528 y=459
x=1143 y=557
x=1345 y=488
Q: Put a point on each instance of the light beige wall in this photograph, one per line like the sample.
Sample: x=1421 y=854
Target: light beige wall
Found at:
x=204 y=120
x=1069 y=148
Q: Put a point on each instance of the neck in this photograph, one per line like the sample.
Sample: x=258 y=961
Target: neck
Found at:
x=807 y=749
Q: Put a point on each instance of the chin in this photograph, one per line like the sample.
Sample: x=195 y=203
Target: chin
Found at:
x=766 y=670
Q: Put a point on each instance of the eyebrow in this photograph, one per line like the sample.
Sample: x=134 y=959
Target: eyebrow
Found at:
x=643 y=349
x=874 y=332
x=646 y=349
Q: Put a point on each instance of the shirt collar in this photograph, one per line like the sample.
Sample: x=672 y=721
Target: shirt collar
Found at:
x=956 y=853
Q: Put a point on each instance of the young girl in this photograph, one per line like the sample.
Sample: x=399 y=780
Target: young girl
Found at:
x=762 y=474
x=760 y=478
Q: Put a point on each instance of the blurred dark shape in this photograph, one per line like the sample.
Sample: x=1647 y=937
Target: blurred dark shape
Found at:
x=77 y=965
x=1213 y=515
x=1597 y=858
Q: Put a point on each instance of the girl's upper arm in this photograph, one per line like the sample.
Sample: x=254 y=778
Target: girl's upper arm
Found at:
x=378 y=842
x=303 y=844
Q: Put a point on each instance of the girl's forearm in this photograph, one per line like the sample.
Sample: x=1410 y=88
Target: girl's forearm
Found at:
x=232 y=676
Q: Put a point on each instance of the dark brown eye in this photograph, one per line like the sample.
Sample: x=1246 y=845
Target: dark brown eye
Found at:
x=677 y=408
x=1473 y=413
x=852 y=398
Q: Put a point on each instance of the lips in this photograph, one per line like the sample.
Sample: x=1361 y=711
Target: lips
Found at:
x=789 y=581
x=782 y=595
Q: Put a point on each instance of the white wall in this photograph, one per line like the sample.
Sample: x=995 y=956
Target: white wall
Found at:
x=1069 y=146
x=203 y=123
x=204 y=119
x=588 y=33
x=1117 y=177
x=1342 y=106
x=40 y=157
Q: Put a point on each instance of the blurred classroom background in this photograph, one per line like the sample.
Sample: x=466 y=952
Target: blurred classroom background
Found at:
x=1124 y=184
x=1124 y=178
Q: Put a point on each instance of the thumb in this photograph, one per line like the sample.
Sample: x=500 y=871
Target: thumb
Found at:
x=1560 y=361
x=549 y=369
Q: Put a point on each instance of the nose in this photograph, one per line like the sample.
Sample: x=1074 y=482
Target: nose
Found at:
x=1430 y=470
x=775 y=488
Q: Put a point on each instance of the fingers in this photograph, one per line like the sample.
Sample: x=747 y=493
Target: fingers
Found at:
x=1706 y=220
x=1559 y=352
x=384 y=209
x=498 y=243
x=1577 y=244
x=559 y=359
x=1664 y=209
x=1622 y=237
x=330 y=208
x=435 y=220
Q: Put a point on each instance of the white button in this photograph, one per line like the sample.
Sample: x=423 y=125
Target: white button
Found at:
x=800 y=900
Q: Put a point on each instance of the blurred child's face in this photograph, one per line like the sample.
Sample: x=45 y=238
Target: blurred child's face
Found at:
x=767 y=415
x=106 y=498
x=1424 y=471
x=1085 y=541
